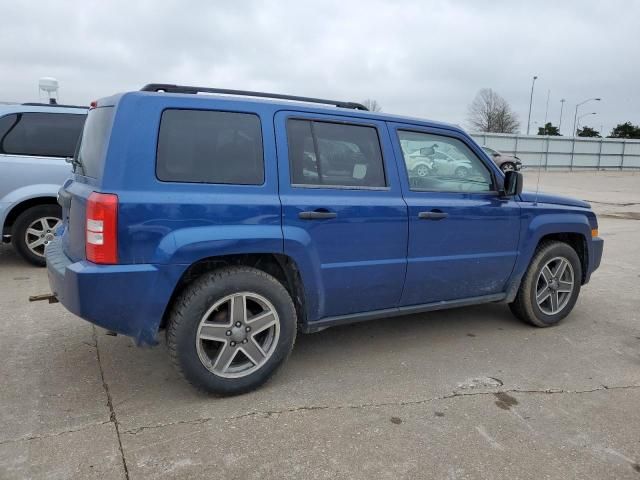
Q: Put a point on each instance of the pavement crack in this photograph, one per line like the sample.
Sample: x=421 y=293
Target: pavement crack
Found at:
x=54 y=434
x=453 y=395
x=112 y=413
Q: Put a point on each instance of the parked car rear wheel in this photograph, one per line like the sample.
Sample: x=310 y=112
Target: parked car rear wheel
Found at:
x=422 y=170
x=462 y=172
x=33 y=230
x=231 y=329
x=507 y=167
x=550 y=288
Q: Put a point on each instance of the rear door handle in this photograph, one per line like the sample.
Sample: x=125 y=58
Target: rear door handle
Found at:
x=317 y=215
x=432 y=215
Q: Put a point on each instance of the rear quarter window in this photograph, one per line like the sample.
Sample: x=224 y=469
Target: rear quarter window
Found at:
x=93 y=145
x=40 y=134
x=202 y=146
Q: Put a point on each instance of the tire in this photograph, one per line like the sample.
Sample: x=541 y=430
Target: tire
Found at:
x=41 y=218
x=526 y=307
x=507 y=167
x=422 y=170
x=194 y=315
x=462 y=172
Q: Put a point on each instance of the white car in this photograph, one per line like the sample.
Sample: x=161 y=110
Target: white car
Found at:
x=430 y=161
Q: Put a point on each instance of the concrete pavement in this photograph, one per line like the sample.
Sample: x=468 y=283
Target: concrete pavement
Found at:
x=466 y=393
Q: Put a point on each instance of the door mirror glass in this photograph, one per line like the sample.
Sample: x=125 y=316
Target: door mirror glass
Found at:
x=512 y=183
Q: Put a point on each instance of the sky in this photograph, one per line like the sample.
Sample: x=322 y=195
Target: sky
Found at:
x=420 y=58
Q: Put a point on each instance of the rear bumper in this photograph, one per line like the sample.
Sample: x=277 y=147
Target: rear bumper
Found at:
x=127 y=299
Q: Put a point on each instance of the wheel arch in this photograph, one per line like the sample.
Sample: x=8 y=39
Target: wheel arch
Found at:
x=18 y=208
x=280 y=266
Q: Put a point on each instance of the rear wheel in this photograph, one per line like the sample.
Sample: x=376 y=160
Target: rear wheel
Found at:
x=550 y=288
x=33 y=230
x=422 y=170
x=462 y=172
x=231 y=330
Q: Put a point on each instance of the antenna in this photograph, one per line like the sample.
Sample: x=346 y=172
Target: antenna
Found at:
x=535 y=201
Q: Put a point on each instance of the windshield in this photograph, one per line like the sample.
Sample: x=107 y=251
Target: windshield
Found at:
x=91 y=151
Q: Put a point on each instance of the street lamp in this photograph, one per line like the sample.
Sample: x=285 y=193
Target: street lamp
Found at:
x=560 y=122
x=530 y=102
x=582 y=116
x=575 y=116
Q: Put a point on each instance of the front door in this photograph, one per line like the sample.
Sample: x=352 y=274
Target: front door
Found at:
x=344 y=219
x=463 y=236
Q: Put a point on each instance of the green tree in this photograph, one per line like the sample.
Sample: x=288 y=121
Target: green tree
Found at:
x=549 y=129
x=588 y=132
x=625 y=130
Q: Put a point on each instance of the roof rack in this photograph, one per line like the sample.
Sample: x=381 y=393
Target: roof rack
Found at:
x=38 y=104
x=169 y=88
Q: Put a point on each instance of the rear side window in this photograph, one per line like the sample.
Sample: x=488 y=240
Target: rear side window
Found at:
x=334 y=154
x=40 y=134
x=92 y=149
x=203 y=146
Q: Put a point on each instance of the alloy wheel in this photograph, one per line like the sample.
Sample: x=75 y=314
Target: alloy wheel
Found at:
x=554 y=286
x=39 y=233
x=238 y=335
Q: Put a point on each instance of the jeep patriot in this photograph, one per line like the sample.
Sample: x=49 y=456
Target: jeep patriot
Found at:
x=233 y=220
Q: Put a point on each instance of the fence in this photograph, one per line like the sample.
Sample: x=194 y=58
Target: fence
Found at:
x=565 y=152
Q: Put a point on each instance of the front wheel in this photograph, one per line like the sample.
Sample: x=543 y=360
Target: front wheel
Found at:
x=550 y=288
x=231 y=330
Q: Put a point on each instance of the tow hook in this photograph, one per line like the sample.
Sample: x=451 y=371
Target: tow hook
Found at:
x=51 y=297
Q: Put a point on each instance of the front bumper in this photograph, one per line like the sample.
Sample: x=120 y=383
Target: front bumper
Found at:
x=597 y=246
x=127 y=299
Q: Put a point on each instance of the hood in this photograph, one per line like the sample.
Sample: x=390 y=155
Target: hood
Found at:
x=555 y=199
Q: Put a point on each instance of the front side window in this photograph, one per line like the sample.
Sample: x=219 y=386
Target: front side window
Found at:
x=202 y=146
x=40 y=134
x=436 y=163
x=334 y=154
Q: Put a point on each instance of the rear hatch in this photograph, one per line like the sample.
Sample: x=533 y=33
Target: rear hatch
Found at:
x=88 y=165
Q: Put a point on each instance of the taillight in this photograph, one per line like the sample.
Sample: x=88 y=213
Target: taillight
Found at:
x=102 y=228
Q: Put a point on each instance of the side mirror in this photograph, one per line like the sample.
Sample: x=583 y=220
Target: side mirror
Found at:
x=512 y=183
x=496 y=154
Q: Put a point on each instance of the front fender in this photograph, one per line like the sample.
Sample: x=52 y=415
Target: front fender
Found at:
x=538 y=225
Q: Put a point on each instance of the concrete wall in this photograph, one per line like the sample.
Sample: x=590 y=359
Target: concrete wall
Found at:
x=565 y=152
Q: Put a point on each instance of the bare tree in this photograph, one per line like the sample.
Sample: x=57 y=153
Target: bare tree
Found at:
x=489 y=112
x=372 y=105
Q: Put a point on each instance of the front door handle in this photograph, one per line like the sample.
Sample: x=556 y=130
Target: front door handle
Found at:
x=432 y=215
x=317 y=215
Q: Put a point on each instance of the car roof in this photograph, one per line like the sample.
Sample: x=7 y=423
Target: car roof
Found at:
x=285 y=105
x=8 y=108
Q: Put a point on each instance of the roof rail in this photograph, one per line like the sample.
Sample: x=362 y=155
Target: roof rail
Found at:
x=38 y=104
x=169 y=88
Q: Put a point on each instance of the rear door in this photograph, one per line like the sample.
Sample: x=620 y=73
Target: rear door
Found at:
x=343 y=212
x=463 y=237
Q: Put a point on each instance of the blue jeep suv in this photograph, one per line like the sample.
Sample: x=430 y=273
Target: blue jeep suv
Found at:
x=233 y=220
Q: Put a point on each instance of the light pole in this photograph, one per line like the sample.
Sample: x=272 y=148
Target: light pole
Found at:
x=575 y=116
x=560 y=122
x=535 y=77
x=581 y=117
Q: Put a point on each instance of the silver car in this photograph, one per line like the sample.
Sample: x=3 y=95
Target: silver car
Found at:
x=506 y=162
x=35 y=139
